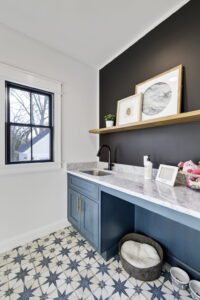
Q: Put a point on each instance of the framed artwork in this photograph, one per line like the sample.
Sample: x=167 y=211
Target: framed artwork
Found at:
x=129 y=110
x=167 y=174
x=161 y=94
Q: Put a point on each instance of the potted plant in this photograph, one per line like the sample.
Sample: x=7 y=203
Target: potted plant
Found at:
x=109 y=120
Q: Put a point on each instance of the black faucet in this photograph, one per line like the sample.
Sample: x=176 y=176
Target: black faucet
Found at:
x=109 y=155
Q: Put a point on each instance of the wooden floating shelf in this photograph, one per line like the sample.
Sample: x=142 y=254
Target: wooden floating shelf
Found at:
x=186 y=117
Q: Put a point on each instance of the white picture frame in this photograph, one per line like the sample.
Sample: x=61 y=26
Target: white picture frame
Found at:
x=161 y=94
x=167 y=174
x=129 y=110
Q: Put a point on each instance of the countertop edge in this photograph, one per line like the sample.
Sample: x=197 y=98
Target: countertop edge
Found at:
x=157 y=201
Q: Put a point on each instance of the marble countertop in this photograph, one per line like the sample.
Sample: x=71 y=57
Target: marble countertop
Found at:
x=178 y=198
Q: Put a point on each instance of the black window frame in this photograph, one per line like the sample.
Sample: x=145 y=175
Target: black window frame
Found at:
x=8 y=124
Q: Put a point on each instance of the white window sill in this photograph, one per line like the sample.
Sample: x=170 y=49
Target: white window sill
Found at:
x=29 y=168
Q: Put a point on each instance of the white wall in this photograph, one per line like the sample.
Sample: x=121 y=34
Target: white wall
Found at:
x=34 y=203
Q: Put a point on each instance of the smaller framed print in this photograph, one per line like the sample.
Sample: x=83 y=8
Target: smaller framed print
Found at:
x=129 y=110
x=161 y=94
x=167 y=174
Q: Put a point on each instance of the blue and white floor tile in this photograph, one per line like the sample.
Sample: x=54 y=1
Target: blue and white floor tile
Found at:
x=63 y=266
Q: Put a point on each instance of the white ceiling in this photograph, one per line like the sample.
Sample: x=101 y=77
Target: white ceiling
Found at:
x=92 y=31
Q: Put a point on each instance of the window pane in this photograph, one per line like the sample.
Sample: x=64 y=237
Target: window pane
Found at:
x=41 y=143
x=40 y=109
x=19 y=106
x=29 y=125
x=20 y=143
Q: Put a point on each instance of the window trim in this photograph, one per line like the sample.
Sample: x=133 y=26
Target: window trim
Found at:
x=38 y=82
x=8 y=123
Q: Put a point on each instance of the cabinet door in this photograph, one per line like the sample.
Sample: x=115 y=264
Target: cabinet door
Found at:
x=74 y=208
x=90 y=220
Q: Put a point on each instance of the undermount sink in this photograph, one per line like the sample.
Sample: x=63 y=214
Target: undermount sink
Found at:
x=96 y=172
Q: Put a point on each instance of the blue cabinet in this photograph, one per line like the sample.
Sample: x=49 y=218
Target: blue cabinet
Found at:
x=90 y=220
x=83 y=208
x=104 y=215
x=73 y=208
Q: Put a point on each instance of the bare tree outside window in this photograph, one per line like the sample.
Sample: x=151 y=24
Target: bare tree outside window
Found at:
x=29 y=126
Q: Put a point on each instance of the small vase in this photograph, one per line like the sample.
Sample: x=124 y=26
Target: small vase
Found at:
x=109 y=123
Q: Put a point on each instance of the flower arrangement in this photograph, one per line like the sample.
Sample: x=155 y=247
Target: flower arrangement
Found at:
x=192 y=173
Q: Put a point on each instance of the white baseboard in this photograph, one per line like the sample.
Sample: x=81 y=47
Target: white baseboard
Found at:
x=29 y=236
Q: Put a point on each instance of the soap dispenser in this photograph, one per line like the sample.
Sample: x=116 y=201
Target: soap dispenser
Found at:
x=148 y=167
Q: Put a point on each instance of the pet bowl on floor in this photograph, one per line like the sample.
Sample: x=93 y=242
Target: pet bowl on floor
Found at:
x=195 y=289
x=144 y=274
x=180 y=278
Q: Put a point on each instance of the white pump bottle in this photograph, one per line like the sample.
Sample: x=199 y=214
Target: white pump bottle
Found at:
x=148 y=168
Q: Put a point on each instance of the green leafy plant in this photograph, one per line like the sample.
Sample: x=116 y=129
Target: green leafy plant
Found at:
x=109 y=117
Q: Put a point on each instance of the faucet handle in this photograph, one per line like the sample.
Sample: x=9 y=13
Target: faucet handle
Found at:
x=110 y=166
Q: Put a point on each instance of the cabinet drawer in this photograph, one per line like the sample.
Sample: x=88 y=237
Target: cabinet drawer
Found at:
x=85 y=187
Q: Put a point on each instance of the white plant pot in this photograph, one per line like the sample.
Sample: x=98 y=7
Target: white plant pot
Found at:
x=109 y=123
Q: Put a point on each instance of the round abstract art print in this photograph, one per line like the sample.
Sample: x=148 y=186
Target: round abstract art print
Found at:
x=156 y=98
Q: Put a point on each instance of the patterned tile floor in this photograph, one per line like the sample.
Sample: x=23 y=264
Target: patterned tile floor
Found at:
x=63 y=266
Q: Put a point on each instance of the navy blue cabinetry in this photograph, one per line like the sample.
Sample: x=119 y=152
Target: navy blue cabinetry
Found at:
x=104 y=215
x=73 y=208
x=90 y=220
x=101 y=218
x=83 y=208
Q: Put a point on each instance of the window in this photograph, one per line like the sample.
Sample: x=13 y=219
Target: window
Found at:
x=29 y=125
x=32 y=119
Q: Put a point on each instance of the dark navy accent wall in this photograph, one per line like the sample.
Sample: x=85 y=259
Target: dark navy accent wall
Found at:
x=175 y=41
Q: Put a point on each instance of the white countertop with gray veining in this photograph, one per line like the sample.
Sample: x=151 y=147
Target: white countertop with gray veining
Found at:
x=178 y=198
